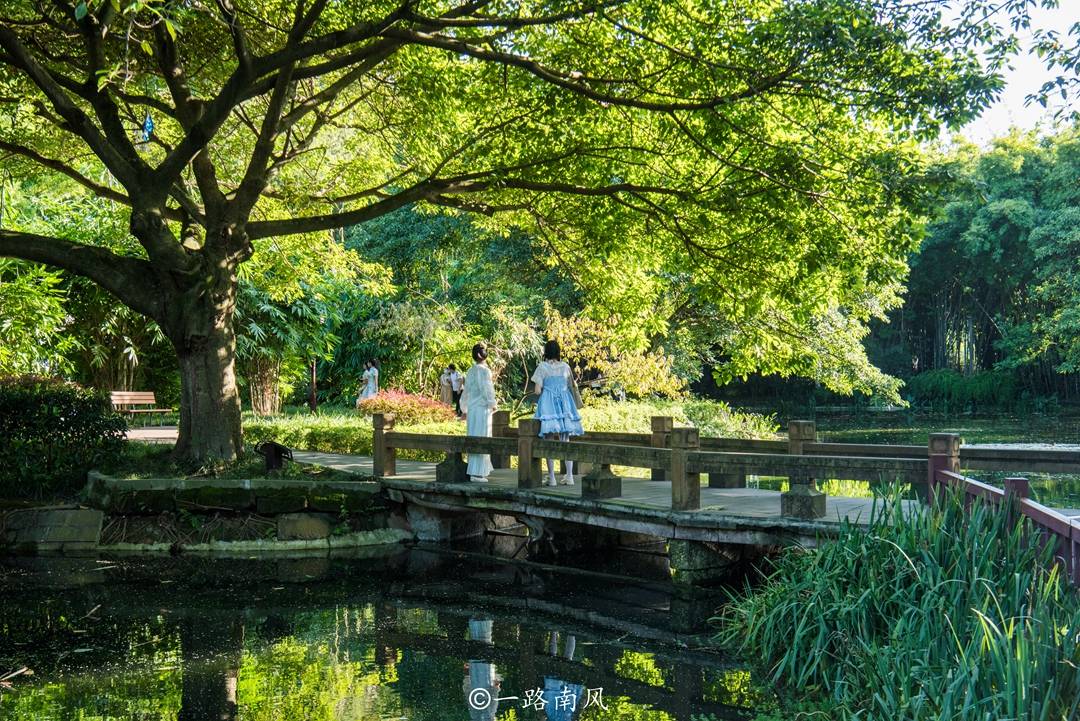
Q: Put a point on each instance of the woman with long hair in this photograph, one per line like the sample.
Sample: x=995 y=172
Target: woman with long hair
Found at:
x=371 y=381
x=557 y=407
x=478 y=402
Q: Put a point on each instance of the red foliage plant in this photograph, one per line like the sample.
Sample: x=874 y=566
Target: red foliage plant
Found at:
x=408 y=408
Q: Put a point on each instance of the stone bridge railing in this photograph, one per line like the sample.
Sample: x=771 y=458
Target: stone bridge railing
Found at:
x=682 y=456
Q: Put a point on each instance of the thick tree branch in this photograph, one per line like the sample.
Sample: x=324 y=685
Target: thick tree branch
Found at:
x=384 y=50
x=441 y=191
x=295 y=54
x=188 y=112
x=510 y=23
x=236 y=30
x=129 y=279
x=95 y=29
x=256 y=173
x=102 y=191
x=306 y=72
x=75 y=120
x=63 y=168
x=292 y=226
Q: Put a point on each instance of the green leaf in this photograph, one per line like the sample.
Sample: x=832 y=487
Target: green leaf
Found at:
x=81 y=11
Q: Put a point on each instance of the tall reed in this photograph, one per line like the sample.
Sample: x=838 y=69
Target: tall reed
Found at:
x=938 y=614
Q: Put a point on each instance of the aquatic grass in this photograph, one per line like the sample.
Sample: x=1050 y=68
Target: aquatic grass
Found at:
x=938 y=614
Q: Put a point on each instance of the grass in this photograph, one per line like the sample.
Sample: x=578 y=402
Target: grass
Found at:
x=145 y=460
x=344 y=430
x=937 y=615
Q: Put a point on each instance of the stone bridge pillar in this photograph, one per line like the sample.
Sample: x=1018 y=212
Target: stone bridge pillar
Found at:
x=803 y=499
x=661 y=438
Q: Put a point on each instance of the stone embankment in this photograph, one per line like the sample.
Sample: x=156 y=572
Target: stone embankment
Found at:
x=207 y=515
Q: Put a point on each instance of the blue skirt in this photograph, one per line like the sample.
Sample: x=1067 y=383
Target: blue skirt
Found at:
x=556 y=410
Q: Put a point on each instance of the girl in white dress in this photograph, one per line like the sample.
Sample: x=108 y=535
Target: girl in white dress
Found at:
x=371 y=382
x=478 y=402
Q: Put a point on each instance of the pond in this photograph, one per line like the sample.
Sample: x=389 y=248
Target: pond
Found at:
x=1028 y=431
x=419 y=635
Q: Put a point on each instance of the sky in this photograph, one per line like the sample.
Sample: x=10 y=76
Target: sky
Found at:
x=1027 y=75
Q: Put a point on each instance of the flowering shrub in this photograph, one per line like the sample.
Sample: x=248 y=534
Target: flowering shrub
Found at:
x=408 y=408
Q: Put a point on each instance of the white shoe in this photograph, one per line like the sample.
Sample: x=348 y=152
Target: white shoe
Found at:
x=566 y=481
x=478 y=479
x=550 y=482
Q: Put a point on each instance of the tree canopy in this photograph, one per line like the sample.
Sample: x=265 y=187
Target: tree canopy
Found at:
x=754 y=152
x=995 y=285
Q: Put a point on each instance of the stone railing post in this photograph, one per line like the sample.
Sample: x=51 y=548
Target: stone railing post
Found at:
x=384 y=458
x=685 y=486
x=528 y=467
x=500 y=428
x=1016 y=490
x=944 y=455
x=661 y=438
x=1018 y=487
x=802 y=499
x=600 y=482
x=453 y=469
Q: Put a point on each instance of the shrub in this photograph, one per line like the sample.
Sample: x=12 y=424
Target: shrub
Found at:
x=951 y=390
x=408 y=408
x=328 y=434
x=713 y=418
x=716 y=419
x=944 y=614
x=51 y=433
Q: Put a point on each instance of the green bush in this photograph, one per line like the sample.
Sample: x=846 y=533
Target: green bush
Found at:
x=51 y=433
x=951 y=390
x=713 y=418
x=349 y=434
x=944 y=614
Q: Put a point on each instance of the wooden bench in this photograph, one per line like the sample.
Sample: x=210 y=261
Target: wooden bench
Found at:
x=136 y=403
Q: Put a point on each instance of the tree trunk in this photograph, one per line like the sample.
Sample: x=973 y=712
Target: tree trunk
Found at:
x=209 y=400
x=263 y=374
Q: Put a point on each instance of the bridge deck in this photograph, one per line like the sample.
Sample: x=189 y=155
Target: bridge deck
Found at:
x=734 y=515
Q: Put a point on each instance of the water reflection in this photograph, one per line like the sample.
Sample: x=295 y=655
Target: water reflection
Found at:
x=179 y=639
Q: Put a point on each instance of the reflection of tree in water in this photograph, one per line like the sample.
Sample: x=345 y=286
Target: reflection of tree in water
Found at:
x=366 y=661
x=212 y=651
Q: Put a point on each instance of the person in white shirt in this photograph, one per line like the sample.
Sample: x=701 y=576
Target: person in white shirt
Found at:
x=457 y=383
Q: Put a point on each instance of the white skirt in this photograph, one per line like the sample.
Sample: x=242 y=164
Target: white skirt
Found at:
x=478 y=423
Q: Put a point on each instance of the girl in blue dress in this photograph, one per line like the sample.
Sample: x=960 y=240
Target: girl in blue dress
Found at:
x=557 y=408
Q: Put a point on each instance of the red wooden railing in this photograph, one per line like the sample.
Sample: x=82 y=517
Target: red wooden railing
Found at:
x=1053 y=528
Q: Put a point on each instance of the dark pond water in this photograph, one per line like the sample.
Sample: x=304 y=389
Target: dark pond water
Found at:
x=417 y=635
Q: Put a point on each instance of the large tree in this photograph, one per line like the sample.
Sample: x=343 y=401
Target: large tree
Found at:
x=757 y=145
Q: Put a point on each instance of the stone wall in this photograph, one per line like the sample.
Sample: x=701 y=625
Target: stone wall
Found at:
x=206 y=515
x=67 y=530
